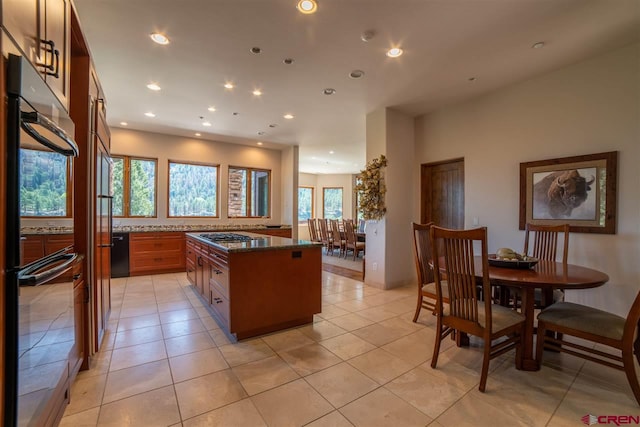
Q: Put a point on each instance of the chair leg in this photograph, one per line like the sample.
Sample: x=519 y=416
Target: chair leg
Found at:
x=485 y=365
x=630 y=371
x=415 y=317
x=436 y=345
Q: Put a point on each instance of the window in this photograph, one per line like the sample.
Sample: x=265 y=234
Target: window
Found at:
x=249 y=192
x=134 y=187
x=193 y=190
x=332 y=202
x=44 y=178
x=305 y=204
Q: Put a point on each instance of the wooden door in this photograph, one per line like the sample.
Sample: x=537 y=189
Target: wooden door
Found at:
x=442 y=193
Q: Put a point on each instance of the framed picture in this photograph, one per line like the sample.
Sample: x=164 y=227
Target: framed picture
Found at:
x=580 y=191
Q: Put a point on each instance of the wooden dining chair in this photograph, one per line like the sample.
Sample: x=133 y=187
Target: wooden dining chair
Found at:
x=453 y=251
x=544 y=246
x=351 y=240
x=591 y=324
x=424 y=267
x=338 y=242
x=325 y=235
x=313 y=230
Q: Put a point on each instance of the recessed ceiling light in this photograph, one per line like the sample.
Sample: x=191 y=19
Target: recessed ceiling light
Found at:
x=367 y=35
x=255 y=50
x=259 y=143
x=123 y=123
x=228 y=85
x=261 y=133
x=206 y=124
x=235 y=113
x=538 y=45
x=257 y=92
x=307 y=6
x=149 y=114
x=331 y=152
x=272 y=125
x=288 y=116
x=159 y=38
x=356 y=74
x=288 y=61
x=329 y=91
x=472 y=79
x=198 y=134
x=394 y=52
x=211 y=109
x=154 y=86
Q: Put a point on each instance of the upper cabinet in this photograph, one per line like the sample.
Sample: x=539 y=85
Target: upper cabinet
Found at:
x=41 y=29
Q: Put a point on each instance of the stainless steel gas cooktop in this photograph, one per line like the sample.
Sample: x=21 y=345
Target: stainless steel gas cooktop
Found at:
x=228 y=237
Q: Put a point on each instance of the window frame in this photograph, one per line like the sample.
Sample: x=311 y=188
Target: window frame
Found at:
x=323 y=197
x=313 y=199
x=249 y=188
x=192 y=163
x=69 y=181
x=126 y=185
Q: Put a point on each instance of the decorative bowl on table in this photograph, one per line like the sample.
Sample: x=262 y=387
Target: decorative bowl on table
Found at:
x=524 y=263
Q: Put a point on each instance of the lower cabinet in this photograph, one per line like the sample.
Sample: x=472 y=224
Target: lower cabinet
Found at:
x=255 y=292
x=161 y=252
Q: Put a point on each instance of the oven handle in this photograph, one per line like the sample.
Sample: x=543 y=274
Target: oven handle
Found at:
x=34 y=117
x=27 y=277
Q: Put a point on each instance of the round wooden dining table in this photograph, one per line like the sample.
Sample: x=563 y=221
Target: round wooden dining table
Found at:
x=544 y=275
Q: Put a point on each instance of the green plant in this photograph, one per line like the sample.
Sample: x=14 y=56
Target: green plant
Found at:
x=371 y=189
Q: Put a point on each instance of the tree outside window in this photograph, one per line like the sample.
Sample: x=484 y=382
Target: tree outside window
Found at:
x=249 y=192
x=134 y=187
x=193 y=190
x=44 y=179
x=305 y=204
x=332 y=202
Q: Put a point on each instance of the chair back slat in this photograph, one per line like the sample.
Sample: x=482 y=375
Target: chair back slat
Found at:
x=335 y=231
x=545 y=241
x=422 y=252
x=454 y=250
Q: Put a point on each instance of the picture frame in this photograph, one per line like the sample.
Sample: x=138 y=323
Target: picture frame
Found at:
x=578 y=190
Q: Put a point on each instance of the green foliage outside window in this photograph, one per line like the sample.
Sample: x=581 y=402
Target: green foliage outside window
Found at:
x=332 y=202
x=192 y=190
x=305 y=204
x=137 y=196
x=43 y=183
x=142 y=180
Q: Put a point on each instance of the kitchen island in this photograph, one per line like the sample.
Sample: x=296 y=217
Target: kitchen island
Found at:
x=255 y=284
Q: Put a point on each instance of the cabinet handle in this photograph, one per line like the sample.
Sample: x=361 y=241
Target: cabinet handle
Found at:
x=200 y=261
x=51 y=68
x=77 y=276
x=217 y=271
x=218 y=300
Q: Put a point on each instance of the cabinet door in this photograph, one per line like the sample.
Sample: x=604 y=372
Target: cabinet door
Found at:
x=21 y=18
x=57 y=22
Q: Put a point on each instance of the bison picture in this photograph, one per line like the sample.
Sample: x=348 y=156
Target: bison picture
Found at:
x=557 y=194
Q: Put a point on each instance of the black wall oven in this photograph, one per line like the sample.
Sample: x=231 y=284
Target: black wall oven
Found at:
x=39 y=327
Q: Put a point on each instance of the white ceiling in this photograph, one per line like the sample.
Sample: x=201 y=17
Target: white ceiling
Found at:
x=445 y=42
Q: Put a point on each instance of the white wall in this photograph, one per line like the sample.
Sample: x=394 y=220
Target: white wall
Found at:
x=589 y=107
x=169 y=147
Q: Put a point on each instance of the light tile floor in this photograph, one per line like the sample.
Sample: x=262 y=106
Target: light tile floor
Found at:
x=363 y=362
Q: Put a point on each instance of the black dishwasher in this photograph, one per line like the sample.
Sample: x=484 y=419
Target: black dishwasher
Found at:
x=120 y=255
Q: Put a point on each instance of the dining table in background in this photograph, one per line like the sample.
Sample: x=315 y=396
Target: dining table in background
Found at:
x=544 y=275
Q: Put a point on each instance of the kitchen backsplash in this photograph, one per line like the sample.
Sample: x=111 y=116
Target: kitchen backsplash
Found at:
x=150 y=228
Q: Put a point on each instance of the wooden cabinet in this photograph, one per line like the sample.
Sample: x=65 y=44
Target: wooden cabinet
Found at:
x=191 y=261
x=279 y=232
x=32 y=248
x=161 y=252
x=80 y=300
x=255 y=292
x=41 y=29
